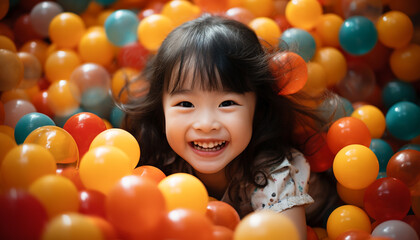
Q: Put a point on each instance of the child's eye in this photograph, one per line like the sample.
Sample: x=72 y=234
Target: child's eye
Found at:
x=227 y=103
x=185 y=104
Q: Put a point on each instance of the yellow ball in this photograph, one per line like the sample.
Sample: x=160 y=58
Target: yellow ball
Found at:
x=25 y=163
x=153 y=29
x=345 y=218
x=102 y=167
x=334 y=63
x=373 y=118
x=355 y=166
x=266 y=29
x=265 y=224
x=303 y=13
x=182 y=190
x=120 y=139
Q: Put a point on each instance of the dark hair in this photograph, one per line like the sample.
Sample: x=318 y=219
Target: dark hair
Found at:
x=223 y=54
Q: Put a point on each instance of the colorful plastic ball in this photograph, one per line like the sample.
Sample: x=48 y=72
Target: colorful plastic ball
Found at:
x=84 y=127
x=335 y=107
x=402 y=120
x=153 y=30
x=300 y=42
x=387 y=198
x=395 y=229
x=94 y=47
x=30 y=122
x=353 y=234
x=373 y=118
x=60 y=64
x=328 y=28
x=358 y=35
x=404 y=62
x=180 y=11
x=133 y=200
x=23 y=30
x=32 y=70
x=355 y=166
x=186 y=224
x=7 y=44
x=116 y=117
x=133 y=55
x=240 y=14
x=119 y=80
x=261 y=8
x=36 y=47
x=121 y=139
x=316 y=83
x=397 y=91
x=318 y=154
x=58 y=141
x=7 y=143
x=15 y=109
x=346 y=131
x=334 y=63
x=413 y=146
x=4 y=6
x=66 y=29
x=303 y=13
x=92 y=203
x=267 y=30
x=71 y=226
x=121 y=27
x=11 y=70
x=222 y=214
x=25 y=163
x=151 y=172
x=221 y=233
x=102 y=167
x=182 y=190
x=395 y=29
x=383 y=152
x=22 y=216
x=63 y=97
x=351 y=196
x=265 y=225
x=290 y=71
x=56 y=193
x=42 y=14
x=405 y=166
x=345 y=218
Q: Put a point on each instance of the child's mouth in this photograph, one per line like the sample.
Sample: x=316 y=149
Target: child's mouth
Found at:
x=208 y=146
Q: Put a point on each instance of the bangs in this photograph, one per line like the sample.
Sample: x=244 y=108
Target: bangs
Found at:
x=209 y=59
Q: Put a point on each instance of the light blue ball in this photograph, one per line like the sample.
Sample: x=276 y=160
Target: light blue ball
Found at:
x=121 y=27
x=358 y=35
x=402 y=120
x=30 y=122
x=298 y=41
x=383 y=152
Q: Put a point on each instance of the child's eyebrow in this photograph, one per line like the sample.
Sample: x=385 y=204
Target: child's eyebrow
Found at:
x=180 y=91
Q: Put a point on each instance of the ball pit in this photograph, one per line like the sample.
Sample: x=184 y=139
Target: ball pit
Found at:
x=63 y=64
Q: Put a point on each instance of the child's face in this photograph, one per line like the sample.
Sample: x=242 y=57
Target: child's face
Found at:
x=208 y=129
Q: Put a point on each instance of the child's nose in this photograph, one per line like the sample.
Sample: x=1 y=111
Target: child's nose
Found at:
x=206 y=121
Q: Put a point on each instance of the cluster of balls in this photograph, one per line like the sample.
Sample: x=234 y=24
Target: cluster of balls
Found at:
x=68 y=170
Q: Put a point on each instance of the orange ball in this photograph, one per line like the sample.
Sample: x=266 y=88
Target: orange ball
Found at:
x=291 y=72
x=153 y=29
x=395 y=29
x=355 y=167
x=405 y=62
x=180 y=11
x=11 y=70
x=60 y=65
x=25 y=163
x=303 y=13
x=334 y=63
x=260 y=8
x=7 y=43
x=373 y=118
x=120 y=78
x=94 y=47
x=345 y=218
x=328 y=28
x=351 y=196
x=63 y=97
x=267 y=30
x=56 y=193
x=58 y=141
x=66 y=30
x=317 y=79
